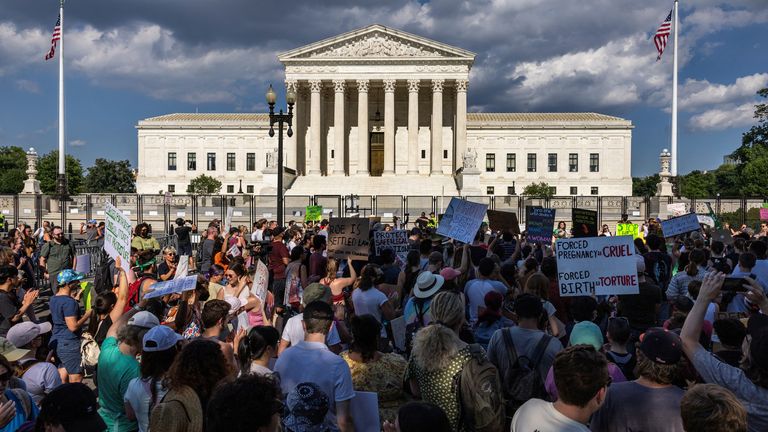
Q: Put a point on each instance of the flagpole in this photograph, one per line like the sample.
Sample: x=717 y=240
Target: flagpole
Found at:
x=674 y=99
x=61 y=185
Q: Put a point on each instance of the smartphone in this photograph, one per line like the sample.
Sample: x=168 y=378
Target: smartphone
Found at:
x=734 y=284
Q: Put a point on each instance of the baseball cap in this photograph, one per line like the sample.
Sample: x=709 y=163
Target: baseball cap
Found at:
x=587 y=333
x=144 y=319
x=10 y=351
x=449 y=273
x=160 y=338
x=68 y=275
x=661 y=346
x=74 y=406
x=316 y=291
x=25 y=332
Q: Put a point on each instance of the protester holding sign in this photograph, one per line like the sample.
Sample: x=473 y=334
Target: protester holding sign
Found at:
x=539 y=224
x=349 y=237
x=461 y=220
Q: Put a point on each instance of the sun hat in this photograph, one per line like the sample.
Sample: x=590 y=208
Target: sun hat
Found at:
x=661 y=346
x=160 y=338
x=307 y=406
x=25 y=332
x=10 y=351
x=68 y=275
x=316 y=291
x=587 y=333
x=75 y=406
x=144 y=319
x=427 y=284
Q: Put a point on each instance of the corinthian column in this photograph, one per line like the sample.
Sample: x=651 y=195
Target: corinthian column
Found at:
x=293 y=147
x=362 y=127
x=389 y=126
x=437 y=126
x=413 y=126
x=338 y=125
x=461 y=122
x=314 y=119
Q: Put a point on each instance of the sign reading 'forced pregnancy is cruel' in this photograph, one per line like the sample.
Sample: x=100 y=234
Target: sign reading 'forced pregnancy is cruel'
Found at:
x=597 y=265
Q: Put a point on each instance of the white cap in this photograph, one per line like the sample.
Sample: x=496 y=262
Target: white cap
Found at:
x=25 y=332
x=160 y=338
x=144 y=319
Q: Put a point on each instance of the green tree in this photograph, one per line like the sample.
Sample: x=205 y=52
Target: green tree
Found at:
x=645 y=186
x=13 y=166
x=204 y=185
x=698 y=184
x=752 y=155
x=107 y=176
x=48 y=172
x=727 y=181
x=539 y=190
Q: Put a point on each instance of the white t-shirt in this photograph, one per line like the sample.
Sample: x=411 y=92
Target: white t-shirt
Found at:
x=139 y=397
x=541 y=416
x=369 y=302
x=257 y=235
x=476 y=289
x=41 y=378
x=294 y=332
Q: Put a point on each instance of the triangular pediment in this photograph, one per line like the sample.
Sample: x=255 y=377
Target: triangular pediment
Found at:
x=377 y=42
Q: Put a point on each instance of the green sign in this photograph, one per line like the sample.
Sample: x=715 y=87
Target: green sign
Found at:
x=628 y=230
x=314 y=214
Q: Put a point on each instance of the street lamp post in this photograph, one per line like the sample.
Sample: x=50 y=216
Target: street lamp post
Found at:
x=280 y=119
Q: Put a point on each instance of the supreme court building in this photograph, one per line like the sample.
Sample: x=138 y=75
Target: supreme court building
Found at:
x=384 y=112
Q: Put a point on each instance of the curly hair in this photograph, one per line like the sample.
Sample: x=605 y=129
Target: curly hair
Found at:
x=200 y=365
x=435 y=345
x=246 y=404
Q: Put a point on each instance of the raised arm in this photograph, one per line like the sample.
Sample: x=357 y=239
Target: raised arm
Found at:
x=710 y=289
x=122 y=291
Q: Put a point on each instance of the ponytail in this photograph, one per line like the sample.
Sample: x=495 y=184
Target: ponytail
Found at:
x=696 y=258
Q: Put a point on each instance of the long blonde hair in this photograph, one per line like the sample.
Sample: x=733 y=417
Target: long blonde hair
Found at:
x=435 y=345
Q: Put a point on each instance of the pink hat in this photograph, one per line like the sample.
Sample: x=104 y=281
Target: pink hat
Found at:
x=449 y=273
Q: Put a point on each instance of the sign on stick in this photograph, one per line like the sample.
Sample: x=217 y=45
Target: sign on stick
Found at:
x=349 y=238
x=539 y=222
x=628 y=230
x=680 y=225
x=397 y=240
x=596 y=265
x=313 y=214
x=584 y=223
x=173 y=286
x=503 y=221
x=117 y=234
x=461 y=220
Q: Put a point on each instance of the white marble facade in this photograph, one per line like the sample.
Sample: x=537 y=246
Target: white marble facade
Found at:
x=400 y=102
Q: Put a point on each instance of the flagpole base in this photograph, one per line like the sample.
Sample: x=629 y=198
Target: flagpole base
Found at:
x=61 y=188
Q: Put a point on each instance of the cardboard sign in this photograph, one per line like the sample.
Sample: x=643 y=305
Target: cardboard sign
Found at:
x=175 y=286
x=364 y=408
x=680 y=225
x=628 y=230
x=584 y=223
x=503 y=221
x=117 y=234
x=596 y=265
x=396 y=240
x=723 y=235
x=461 y=220
x=260 y=281
x=540 y=222
x=677 y=209
x=349 y=238
x=706 y=220
x=763 y=214
x=398 y=332
x=313 y=213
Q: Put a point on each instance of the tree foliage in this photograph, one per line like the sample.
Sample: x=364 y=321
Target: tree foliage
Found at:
x=539 y=190
x=204 y=185
x=108 y=176
x=13 y=167
x=645 y=186
x=48 y=172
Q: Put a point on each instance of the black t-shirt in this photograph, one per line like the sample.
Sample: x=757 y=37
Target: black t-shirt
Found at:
x=182 y=234
x=640 y=309
x=658 y=267
x=9 y=306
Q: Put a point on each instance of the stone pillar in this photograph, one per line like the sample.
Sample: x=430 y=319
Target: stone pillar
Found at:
x=338 y=126
x=362 y=127
x=293 y=142
x=437 y=126
x=314 y=141
x=413 y=126
x=461 y=122
x=32 y=184
x=389 y=127
x=664 y=187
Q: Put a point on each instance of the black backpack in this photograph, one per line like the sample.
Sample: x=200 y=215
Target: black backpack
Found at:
x=412 y=328
x=522 y=381
x=102 y=278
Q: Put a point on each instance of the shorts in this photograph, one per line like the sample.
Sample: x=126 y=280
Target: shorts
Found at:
x=278 y=290
x=68 y=356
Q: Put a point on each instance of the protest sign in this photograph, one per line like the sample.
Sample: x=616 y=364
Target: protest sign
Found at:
x=628 y=230
x=349 y=238
x=175 y=286
x=540 y=223
x=397 y=240
x=763 y=214
x=677 y=209
x=398 y=332
x=706 y=220
x=503 y=221
x=117 y=234
x=182 y=268
x=596 y=265
x=313 y=214
x=228 y=220
x=584 y=223
x=364 y=409
x=680 y=225
x=723 y=235
x=83 y=264
x=461 y=220
x=260 y=281
x=234 y=251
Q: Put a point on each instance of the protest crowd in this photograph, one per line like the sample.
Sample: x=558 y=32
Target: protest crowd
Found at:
x=362 y=324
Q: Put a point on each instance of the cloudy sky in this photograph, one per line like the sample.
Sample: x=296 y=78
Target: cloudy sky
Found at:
x=128 y=60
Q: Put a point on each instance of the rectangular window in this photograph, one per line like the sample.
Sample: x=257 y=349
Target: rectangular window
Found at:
x=211 y=161
x=531 y=162
x=552 y=162
x=171 y=188
x=249 y=189
x=250 y=162
x=423 y=154
x=510 y=190
x=489 y=190
x=574 y=190
x=445 y=154
x=191 y=161
x=172 y=161
x=490 y=162
x=573 y=162
x=230 y=189
x=552 y=190
x=230 y=161
x=511 y=162
x=333 y=154
x=593 y=191
x=594 y=162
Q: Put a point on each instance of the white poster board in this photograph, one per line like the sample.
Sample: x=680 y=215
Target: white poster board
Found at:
x=182 y=268
x=364 y=408
x=83 y=264
x=398 y=332
x=117 y=234
x=599 y=265
x=461 y=220
x=174 y=286
x=260 y=281
x=677 y=209
x=680 y=225
x=228 y=220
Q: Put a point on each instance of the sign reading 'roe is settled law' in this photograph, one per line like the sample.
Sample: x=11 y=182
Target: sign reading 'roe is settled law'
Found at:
x=349 y=238
x=599 y=265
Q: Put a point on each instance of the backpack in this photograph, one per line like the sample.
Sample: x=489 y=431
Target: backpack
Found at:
x=134 y=293
x=102 y=279
x=412 y=328
x=89 y=351
x=479 y=392
x=522 y=380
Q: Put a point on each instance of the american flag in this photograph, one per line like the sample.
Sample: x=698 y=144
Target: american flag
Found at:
x=662 y=34
x=56 y=36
